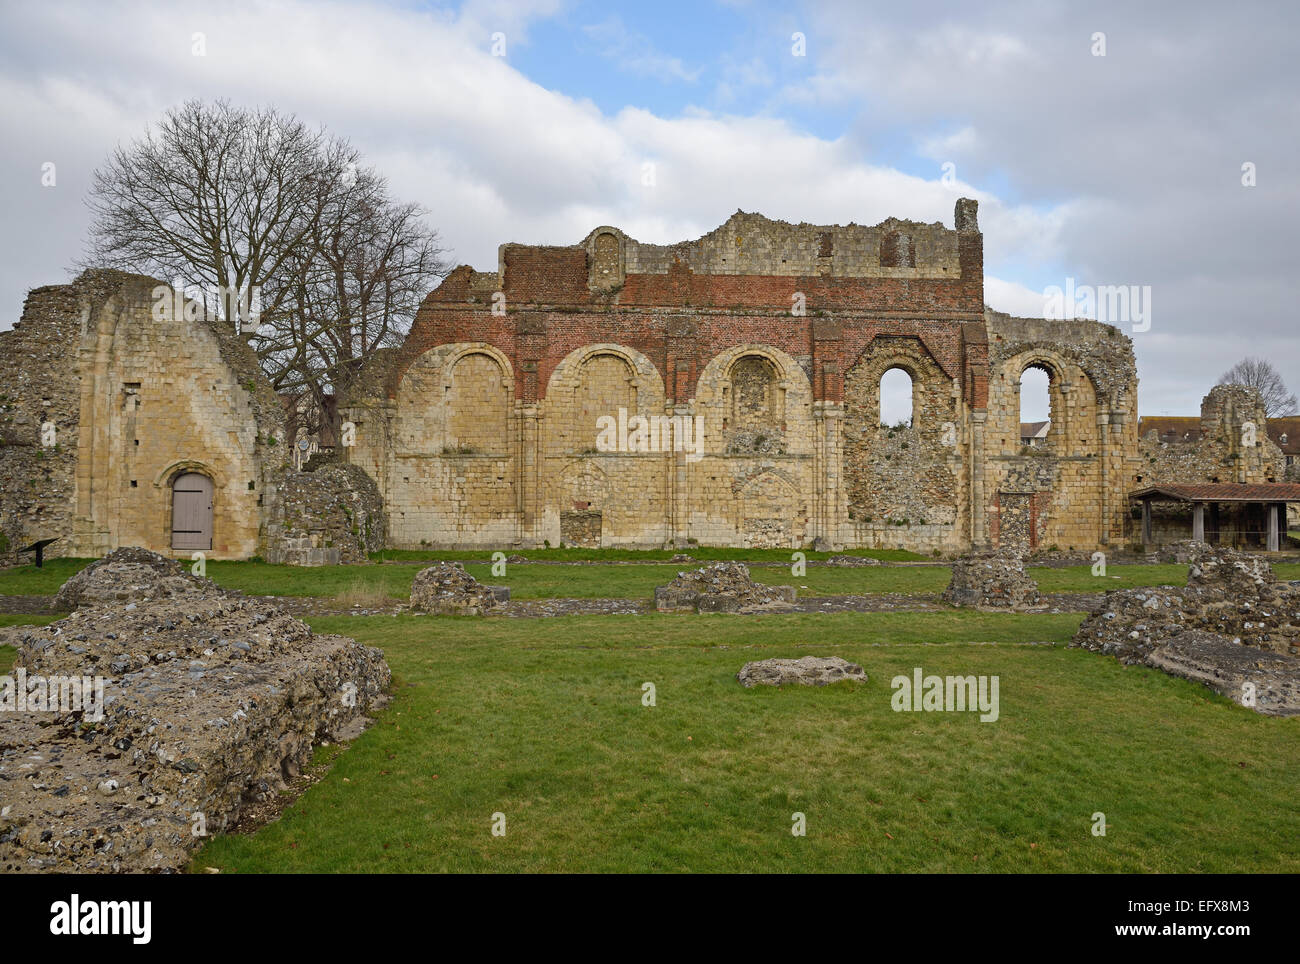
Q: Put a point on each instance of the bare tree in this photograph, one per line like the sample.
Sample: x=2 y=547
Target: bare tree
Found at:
x=353 y=290
x=216 y=197
x=254 y=201
x=1259 y=373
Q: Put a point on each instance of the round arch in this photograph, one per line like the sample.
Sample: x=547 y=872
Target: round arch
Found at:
x=646 y=377
x=789 y=410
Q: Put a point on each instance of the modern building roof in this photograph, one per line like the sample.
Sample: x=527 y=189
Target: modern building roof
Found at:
x=1285 y=432
x=1171 y=428
x=1222 y=492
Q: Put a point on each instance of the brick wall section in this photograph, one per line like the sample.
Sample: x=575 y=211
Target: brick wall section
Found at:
x=543 y=338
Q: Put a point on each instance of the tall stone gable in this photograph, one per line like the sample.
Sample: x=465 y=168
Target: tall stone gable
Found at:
x=135 y=402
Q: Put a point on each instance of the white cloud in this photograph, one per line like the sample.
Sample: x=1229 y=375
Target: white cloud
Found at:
x=494 y=156
x=1122 y=170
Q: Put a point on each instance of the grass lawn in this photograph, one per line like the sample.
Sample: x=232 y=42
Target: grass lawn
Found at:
x=624 y=580
x=699 y=553
x=542 y=720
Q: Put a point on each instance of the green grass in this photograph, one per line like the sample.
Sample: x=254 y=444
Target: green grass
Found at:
x=543 y=721
x=621 y=580
x=45 y=581
x=701 y=553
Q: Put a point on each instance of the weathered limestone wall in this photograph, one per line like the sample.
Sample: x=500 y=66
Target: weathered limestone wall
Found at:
x=141 y=399
x=484 y=428
x=724 y=391
x=1070 y=492
x=750 y=244
x=1229 y=444
x=906 y=486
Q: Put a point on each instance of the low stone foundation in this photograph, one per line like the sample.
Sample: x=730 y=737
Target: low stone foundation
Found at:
x=449 y=590
x=804 y=671
x=724 y=587
x=212 y=702
x=991 y=580
x=1232 y=624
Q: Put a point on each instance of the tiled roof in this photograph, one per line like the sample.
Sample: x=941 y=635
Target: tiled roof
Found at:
x=1287 y=427
x=1224 y=492
x=1171 y=427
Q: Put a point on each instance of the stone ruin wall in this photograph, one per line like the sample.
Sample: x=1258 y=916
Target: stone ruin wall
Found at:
x=1229 y=443
x=330 y=513
x=481 y=430
x=794 y=449
x=136 y=401
x=1070 y=493
x=40 y=383
x=1217 y=450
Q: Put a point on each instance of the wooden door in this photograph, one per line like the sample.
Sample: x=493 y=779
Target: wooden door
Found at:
x=192 y=512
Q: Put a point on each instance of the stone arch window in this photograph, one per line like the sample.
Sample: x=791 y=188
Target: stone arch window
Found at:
x=1036 y=415
x=897 y=398
x=897 y=250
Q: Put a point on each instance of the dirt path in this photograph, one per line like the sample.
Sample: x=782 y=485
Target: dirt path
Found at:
x=301 y=606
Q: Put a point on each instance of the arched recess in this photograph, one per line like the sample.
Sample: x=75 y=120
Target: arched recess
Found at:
x=594 y=382
x=478 y=403
x=755 y=400
x=606 y=264
x=1051 y=492
x=455 y=399
x=1072 y=401
x=896 y=474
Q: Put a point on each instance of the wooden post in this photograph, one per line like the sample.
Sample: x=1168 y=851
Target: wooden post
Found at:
x=1271 y=511
x=1146 y=522
x=1198 y=522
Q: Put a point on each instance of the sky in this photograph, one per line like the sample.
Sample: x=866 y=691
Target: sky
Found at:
x=1153 y=145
